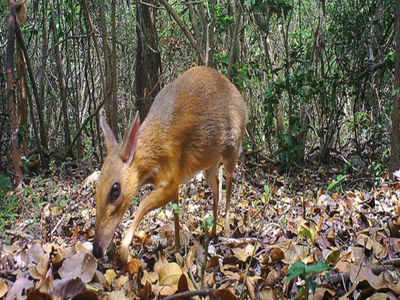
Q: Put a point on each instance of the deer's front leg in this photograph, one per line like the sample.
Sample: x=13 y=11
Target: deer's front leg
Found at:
x=160 y=196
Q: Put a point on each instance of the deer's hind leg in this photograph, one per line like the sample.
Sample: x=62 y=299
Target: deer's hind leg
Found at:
x=212 y=180
x=230 y=159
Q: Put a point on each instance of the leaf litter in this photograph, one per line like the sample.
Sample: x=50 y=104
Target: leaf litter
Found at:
x=284 y=231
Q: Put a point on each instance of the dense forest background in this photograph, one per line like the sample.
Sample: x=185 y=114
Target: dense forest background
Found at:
x=318 y=76
x=321 y=79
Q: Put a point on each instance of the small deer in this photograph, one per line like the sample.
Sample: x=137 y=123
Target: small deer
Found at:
x=194 y=123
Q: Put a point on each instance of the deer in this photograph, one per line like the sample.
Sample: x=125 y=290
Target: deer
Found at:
x=195 y=122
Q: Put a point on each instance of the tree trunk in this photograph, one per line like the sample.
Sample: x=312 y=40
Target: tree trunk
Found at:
x=14 y=150
x=148 y=61
x=395 y=143
x=62 y=85
x=42 y=88
x=110 y=103
x=22 y=101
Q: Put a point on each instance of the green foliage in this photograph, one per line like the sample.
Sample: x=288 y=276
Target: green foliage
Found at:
x=308 y=274
x=5 y=183
x=9 y=204
x=175 y=207
x=267 y=192
x=278 y=7
x=207 y=223
x=378 y=167
x=289 y=151
x=336 y=183
x=135 y=201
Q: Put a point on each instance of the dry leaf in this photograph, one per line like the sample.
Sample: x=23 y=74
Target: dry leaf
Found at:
x=20 y=285
x=68 y=288
x=381 y=296
x=134 y=265
x=110 y=276
x=3 y=287
x=82 y=265
x=169 y=274
x=120 y=281
x=116 y=295
x=224 y=294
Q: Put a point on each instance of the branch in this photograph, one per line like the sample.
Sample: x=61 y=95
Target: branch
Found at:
x=186 y=31
x=85 y=122
x=202 y=292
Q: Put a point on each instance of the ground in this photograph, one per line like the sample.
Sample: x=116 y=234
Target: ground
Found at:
x=321 y=229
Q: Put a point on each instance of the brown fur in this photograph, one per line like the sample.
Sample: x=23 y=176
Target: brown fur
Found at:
x=196 y=121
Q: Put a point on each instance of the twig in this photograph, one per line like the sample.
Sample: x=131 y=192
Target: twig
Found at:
x=202 y=292
x=191 y=276
x=57 y=225
x=184 y=28
x=245 y=282
x=237 y=241
x=393 y=261
x=20 y=234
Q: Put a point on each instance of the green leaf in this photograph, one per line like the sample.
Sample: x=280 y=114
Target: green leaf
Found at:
x=175 y=207
x=297 y=269
x=135 y=201
x=5 y=183
x=317 y=267
x=308 y=234
x=210 y=221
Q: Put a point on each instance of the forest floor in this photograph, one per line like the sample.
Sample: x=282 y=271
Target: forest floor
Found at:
x=321 y=229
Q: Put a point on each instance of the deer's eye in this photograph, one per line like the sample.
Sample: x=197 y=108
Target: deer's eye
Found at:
x=115 y=192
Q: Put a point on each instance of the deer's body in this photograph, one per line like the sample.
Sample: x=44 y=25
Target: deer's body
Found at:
x=194 y=122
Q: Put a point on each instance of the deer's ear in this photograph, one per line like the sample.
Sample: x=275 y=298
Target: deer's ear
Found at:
x=130 y=140
x=109 y=137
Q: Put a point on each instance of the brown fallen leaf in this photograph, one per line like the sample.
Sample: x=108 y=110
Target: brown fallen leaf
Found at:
x=3 y=287
x=146 y=291
x=169 y=274
x=333 y=256
x=37 y=295
x=45 y=284
x=86 y=295
x=110 y=275
x=149 y=276
x=381 y=296
x=267 y=294
x=68 y=288
x=82 y=265
x=120 y=281
x=20 y=285
x=183 y=284
x=322 y=293
x=272 y=277
x=134 y=265
x=116 y=295
x=276 y=255
x=100 y=278
x=251 y=282
x=243 y=253
x=38 y=261
x=224 y=294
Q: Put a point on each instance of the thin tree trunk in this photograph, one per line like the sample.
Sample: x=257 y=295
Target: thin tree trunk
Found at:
x=185 y=30
x=42 y=86
x=110 y=103
x=233 y=52
x=39 y=105
x=62 y=86
x=14 y=150
x=114 y=74
x=148 y=61
x=22 y=101
x=395 y=142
